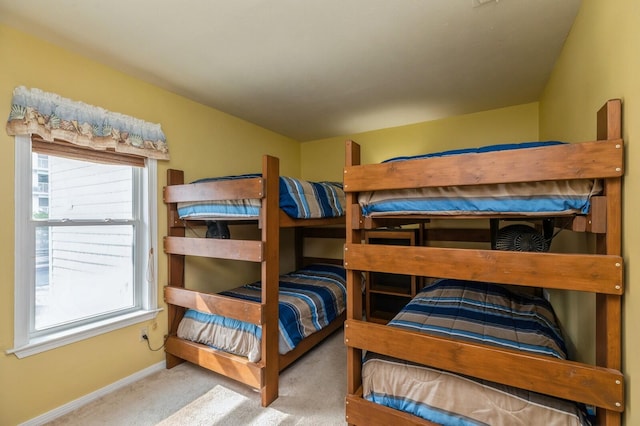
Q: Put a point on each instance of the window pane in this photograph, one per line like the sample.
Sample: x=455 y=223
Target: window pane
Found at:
x=78 y=190
x=82 y=275
x=81 y=272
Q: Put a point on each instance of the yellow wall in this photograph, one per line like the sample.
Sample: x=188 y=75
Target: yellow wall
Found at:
x=203 y=142
x=600 y=61
x=517 y=123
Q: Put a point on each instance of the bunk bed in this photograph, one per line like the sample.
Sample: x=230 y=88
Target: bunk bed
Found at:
x=428 y=349
x=257 y=306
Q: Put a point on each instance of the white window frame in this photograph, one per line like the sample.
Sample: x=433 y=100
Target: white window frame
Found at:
x=147 y=258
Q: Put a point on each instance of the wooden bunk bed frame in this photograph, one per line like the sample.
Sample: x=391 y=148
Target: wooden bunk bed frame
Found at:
x=600 y=385
x=262 y=375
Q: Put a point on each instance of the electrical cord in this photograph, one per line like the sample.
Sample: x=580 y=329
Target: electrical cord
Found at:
x=146 y=339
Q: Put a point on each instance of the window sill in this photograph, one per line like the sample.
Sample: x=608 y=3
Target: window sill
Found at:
x=42 y=344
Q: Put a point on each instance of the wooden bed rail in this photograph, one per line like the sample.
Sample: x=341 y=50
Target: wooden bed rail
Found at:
x=598 y=386
x=242 y=310
x=582 y=272
x=247 y=250
x=232 y=366
x=215 y=191
x=586 y=160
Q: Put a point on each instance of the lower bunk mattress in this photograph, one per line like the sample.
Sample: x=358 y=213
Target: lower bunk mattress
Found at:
x=482 y=313
x=309 y=300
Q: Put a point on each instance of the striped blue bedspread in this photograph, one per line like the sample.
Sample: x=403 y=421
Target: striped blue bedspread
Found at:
x=309 y=299
x=476 y=312
x=526 y=198
x=484 y=313
x=299 y=199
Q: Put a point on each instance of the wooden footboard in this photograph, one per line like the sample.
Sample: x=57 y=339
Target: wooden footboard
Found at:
x=232 y=366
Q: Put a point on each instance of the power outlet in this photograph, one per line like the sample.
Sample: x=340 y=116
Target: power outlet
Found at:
x=144 y=331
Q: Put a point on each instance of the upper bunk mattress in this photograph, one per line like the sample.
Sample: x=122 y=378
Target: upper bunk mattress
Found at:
x=309 y=300
x=526 y=198
x=299 y=199
x=477 y=312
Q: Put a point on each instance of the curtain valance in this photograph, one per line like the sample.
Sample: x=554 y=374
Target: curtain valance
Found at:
x=53 y=117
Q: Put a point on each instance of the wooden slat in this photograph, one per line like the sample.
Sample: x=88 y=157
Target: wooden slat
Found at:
x=247 y=250
x=587 y=160
x=390 y=221
x=583 y=272
x=215 y=190
x=598 y=386
x=232 y=366
x=243 y=310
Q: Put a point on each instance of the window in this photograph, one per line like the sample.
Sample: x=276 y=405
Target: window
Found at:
x=85 y=229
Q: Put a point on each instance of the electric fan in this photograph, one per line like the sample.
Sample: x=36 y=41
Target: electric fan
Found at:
x=520 y=238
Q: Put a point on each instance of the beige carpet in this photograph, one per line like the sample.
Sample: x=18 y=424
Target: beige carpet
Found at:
x=312 y=392
x=220 y=405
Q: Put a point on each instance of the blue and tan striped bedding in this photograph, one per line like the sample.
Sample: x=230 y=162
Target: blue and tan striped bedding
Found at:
x=482 y=313
x=309 y=299
x=299 y=199
x=527 y=198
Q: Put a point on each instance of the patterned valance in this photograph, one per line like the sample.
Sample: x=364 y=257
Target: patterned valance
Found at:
x=53 y=117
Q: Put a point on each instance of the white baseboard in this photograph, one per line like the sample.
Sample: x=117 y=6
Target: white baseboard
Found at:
x=75 y=404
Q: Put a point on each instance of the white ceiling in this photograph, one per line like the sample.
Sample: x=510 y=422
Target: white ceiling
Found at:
x=311 y=69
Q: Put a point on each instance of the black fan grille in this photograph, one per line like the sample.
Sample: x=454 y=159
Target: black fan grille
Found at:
x=520 y=238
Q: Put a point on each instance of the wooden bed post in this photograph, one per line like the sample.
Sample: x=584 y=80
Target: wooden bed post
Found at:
x=175 y=262
x=269 y=218
x=609 y=307
x=354 y=278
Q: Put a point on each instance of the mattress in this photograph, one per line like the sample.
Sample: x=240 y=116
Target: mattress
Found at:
x=476 y=312
x=309 y=300
x=299 y=199
x=526 y=198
